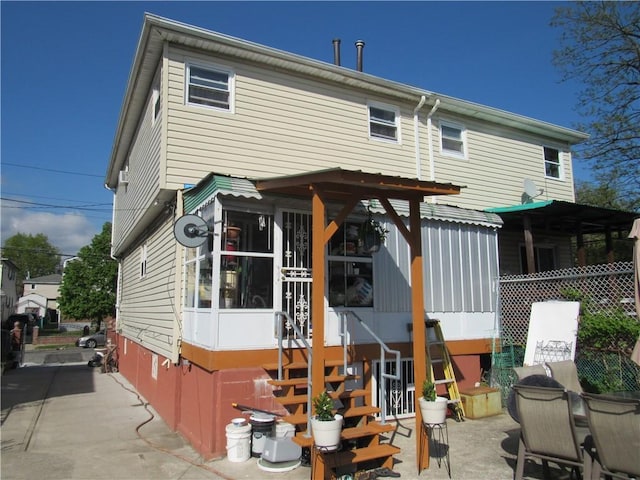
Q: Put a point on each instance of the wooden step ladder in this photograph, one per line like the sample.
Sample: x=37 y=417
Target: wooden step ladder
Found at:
x=440 y=369
x=361 y=448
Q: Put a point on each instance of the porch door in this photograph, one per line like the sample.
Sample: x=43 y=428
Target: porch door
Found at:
x=296 y=270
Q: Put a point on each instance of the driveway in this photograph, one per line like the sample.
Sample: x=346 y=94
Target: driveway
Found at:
x=62 y=420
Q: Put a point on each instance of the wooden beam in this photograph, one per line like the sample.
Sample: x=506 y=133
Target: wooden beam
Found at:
x=528 y=244
x=581 y=252
x=318 y=251
x=419 y=330
x=402 y=228
x=608 y=240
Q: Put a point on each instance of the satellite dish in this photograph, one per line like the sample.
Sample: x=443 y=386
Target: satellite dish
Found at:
x=531 y=191
x=191 y=230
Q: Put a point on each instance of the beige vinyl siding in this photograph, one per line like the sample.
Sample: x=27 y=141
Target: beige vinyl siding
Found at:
x=147 y=312
x=131 y=201
x=498 y=160
x=282 y=124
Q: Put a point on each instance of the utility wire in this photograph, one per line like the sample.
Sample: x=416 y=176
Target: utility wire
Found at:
x=52 y=170
x=48 y=205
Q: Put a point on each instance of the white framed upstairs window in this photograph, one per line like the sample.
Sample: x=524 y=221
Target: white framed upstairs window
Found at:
x=143 y=261
x=209 y=86
x=453 y=140
x=384 y=122
x=552 y=163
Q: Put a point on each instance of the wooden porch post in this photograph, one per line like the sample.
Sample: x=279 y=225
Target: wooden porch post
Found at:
x=608 y=239
x=528 y=244
x=318 y=224
x=581 y=252
x=414 y=239
x=419 y=329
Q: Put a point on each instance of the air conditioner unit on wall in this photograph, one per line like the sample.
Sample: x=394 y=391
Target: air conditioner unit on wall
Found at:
x=123 y=178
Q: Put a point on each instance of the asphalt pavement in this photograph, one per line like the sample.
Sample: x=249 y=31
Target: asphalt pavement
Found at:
x=64 y=420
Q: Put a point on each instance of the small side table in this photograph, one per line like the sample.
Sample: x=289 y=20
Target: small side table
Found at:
x=438 y=435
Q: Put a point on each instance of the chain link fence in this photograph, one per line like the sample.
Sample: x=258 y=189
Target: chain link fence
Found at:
x=605 y=290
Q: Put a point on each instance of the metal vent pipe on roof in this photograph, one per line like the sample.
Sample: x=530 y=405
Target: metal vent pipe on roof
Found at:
x=336 y=51
x=359 y=48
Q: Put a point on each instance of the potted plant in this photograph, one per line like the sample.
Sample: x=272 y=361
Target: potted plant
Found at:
x=326 y=426
x=372 y=234
x=432 y=407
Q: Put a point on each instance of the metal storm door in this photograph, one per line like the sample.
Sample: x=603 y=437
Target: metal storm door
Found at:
x=296 y=269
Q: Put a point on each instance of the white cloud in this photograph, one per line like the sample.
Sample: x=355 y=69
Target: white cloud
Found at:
x=68 y=232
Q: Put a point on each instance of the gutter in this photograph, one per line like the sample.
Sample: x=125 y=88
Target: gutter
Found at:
x=416 y=135
x=432 y=167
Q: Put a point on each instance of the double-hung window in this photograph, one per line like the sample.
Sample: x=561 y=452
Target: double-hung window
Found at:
x=384 y=122
x=552 y=164
x=210 y=87
x=452 y=140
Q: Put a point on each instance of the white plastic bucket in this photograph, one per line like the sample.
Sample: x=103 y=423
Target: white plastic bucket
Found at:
x=238 y=442
x=284 y=429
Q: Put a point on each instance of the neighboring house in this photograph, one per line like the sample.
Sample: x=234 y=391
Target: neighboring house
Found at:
x=250 y=139
x=41 y=296
x=8 y=291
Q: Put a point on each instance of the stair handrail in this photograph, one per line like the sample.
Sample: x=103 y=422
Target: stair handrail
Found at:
x=301 y=337
x=384 y=348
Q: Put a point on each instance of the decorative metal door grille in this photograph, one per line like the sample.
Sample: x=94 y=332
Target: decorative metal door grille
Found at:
x=296 y=271
x=400 y=393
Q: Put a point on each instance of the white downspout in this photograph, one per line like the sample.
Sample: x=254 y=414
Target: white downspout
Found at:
x=432 y=167
x=416 y=135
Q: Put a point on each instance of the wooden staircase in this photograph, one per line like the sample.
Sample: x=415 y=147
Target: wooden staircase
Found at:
x=361 y=447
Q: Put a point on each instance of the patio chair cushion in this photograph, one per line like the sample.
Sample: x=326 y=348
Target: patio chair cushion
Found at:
x=547 y=428
x=528 y=370
x=566 y=373
x=531 y=380
x=614 y=423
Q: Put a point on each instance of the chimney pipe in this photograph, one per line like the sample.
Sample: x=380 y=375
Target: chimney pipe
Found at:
x=359 y=47
x=336 y=51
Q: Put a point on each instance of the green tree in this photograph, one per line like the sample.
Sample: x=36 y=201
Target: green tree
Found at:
x=600 y=48
x=88 y=288
x=33 y=255
x=606 y=196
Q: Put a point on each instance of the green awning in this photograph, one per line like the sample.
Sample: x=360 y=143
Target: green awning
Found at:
x=520 y=208
x=218 y=185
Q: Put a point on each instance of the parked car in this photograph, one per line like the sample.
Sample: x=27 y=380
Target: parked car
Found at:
x=93 y=340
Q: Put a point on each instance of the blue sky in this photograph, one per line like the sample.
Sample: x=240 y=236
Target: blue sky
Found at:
x=65 y=66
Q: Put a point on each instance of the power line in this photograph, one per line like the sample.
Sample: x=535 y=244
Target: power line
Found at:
x=31 y=195
x=48 y=205
x=19 y=165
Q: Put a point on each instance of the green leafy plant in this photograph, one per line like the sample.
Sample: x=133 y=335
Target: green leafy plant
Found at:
x=603 y=329
x=323 y=406
x=429 y=391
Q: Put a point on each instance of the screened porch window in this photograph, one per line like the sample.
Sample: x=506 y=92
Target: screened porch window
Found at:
x=350 y=269
x=246 y=260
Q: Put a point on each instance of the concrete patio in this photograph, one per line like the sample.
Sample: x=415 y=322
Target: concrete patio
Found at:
x=68 y=421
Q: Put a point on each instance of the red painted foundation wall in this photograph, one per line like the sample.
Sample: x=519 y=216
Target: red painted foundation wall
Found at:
x=198 y=404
